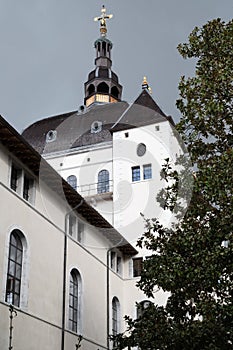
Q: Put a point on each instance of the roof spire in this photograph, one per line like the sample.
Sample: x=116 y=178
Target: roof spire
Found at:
x=102 y=19
x=145 y=85
x=102 y=85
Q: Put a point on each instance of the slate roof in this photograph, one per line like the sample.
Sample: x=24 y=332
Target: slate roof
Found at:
x=74 y=129
x=17 y=145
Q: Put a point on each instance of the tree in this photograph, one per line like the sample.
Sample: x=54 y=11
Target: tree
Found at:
x=193 y=260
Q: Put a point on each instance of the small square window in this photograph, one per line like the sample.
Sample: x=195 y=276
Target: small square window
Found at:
x=147 y=171
x=136 y=173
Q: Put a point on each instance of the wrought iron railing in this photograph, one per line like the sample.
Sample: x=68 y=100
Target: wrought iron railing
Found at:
x=95 y=188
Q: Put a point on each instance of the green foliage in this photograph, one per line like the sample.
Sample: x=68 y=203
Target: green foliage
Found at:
x=193 y=260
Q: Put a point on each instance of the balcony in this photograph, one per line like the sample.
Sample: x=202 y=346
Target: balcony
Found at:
x=102 y=190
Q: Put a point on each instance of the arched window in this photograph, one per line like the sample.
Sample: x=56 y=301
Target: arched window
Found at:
x=115 y=316
x=115 y=91
x=74 y=301
x=72 y=181
x=103 y=87
x=103 y=181
x=91 y=89
x=14 y=270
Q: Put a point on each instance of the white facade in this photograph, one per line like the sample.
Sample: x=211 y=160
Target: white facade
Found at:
x=85 y=164
x=126 y=199
x=42 y=225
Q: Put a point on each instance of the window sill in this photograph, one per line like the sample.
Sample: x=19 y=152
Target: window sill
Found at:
x=143 y=180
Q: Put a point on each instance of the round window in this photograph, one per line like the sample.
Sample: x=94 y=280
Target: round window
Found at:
x=141 y=149
x=96 y=127
x=51 y=135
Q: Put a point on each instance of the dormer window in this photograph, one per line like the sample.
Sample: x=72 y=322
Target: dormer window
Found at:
x=51 y=135
x=96 y=127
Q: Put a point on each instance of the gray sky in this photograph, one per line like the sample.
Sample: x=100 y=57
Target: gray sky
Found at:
x=47 y=50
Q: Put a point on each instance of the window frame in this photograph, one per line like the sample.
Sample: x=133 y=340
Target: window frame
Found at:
x=136 y=173
x=27 y=187
x=113 y=260
x=72 y=181
x=21 y=182
x=75 y=228
x=137 y=266
x=147 y=171
x=115 y=316
x=119 y=265
x=116 y=262
x=103 y=182
x=72 y=225
x=16 y=173
x=74 y=304
x=80 y=232
x=141 y=172
x=141 y=149
x=14 y=269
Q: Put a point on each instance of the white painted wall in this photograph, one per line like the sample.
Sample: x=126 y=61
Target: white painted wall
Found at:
x=85 y=164
x=41 y=311
x=129 y=198
x=132 y=198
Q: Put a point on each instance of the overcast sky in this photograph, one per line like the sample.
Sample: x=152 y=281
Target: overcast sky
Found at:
x=47 y=50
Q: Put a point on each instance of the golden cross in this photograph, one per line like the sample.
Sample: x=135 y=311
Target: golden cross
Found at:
x=102 y=19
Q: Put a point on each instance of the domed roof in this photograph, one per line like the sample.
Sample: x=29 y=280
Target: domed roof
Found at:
x=74 y=129
x=78 y=129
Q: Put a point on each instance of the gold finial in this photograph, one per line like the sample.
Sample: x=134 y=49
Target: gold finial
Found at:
x=144 y=82
x=145 y=85
x=102 y=19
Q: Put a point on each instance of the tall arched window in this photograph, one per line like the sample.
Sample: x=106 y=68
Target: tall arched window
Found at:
x=14 y=271
x=103 y=181
x=72 y=181
x=115 y=316
x=74 y=300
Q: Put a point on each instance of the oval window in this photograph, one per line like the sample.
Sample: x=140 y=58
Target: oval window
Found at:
x=141 y=149
x=51 y=135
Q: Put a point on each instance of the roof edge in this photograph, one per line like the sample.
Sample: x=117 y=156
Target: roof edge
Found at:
x=17 y=145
